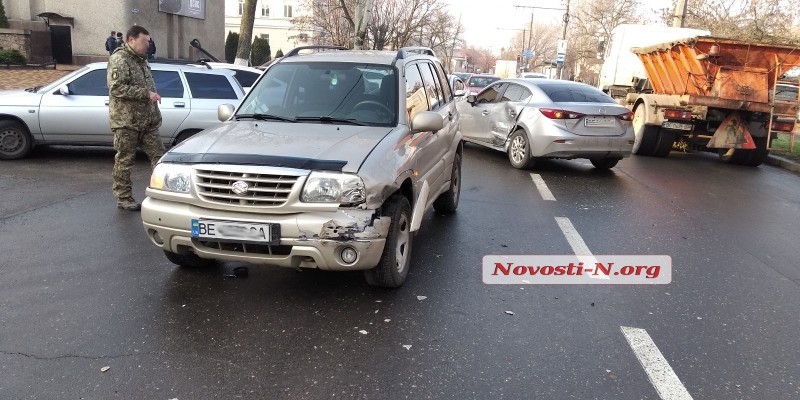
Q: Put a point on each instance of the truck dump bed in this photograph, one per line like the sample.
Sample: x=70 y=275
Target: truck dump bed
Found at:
x=717 y=72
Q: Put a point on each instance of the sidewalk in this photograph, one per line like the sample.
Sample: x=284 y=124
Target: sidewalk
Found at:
x=781 y=162
x=24 y=78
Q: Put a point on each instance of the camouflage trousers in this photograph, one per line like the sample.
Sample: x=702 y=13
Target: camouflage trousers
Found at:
x=126 y=142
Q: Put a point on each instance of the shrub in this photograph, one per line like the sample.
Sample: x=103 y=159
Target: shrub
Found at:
x=259 y=52
x=231 y=45
x=14 y=57
x=3 y=17
x=279 y=53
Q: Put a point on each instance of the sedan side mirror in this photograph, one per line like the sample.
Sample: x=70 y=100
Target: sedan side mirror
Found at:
x=471 y=99
x=426 y=121
x=63 y=89
x=224 y=112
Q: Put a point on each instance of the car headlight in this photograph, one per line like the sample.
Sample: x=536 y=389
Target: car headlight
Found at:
x=172 y=177
x=329 y=187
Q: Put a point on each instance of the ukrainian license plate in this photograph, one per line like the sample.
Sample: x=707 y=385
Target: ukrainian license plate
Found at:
x=235 y=231
x=599 y=121
x=676 y=125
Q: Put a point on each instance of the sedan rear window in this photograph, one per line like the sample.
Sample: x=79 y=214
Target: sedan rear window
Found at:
x=560 y=93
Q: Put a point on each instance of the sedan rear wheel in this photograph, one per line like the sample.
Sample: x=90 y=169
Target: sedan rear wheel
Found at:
x=15 y=141
x=604 y=163
x=519 y=151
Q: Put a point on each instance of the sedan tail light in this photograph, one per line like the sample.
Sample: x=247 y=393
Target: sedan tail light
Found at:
x=628 y=116
x=560 y=114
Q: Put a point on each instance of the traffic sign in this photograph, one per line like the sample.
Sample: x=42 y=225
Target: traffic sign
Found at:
x=527 y=53
x=562 y=46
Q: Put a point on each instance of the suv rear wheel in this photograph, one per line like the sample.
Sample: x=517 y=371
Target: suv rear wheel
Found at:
x=392 y=269
x=447 y=202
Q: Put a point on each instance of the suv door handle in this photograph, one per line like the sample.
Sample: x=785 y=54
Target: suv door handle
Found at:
x=179 y=104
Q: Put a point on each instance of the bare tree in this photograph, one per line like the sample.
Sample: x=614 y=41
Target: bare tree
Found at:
x=246 y=32
x=765 y=21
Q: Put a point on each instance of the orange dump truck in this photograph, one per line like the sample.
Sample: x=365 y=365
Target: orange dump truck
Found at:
x=713 y=94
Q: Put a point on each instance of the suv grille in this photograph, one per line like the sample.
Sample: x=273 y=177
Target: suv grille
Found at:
x=262 y=190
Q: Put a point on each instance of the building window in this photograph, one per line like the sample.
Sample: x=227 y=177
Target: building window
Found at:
x=264 y=36
x=287 y=11
x=265 y=10
x=241 y=7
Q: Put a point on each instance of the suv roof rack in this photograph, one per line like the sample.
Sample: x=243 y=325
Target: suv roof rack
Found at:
x=295 y=51
x=406 y=51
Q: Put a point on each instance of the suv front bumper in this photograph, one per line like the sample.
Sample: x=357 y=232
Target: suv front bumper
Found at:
x=307 y=239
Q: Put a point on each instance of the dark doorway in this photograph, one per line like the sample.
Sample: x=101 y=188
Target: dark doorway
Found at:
x=61 y=40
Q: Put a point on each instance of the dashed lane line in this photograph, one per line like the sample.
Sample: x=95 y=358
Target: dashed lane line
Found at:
x=578 y=245
x=542 y=187
x=658 y=370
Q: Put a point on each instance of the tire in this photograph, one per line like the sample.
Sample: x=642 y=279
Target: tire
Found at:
x=758 y=155
x=188 y=260
x=15 y=140
x=645 y=136
x=751 y=158
x=519 y=151
x=447 y=202
x=666 y=139
x=392 y=269
x=604 y=163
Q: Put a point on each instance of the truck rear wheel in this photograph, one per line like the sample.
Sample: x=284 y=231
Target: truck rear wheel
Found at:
x=759 y=154
x=645 y=136
x=734 y=156
x=664 y=143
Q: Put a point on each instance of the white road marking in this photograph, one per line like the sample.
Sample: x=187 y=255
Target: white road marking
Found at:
x=661 y=375
x=543 y=190
x=578 y=245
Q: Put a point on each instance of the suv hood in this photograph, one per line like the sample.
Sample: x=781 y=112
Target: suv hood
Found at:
x=276 y=141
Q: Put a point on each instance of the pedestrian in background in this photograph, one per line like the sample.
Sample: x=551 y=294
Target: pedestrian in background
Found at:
x=151 y=49
x=133 y=112
x=111 y=42
x=120 y=40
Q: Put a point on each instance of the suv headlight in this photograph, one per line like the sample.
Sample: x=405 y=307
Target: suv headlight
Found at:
x=172 y=177
x=330 y=187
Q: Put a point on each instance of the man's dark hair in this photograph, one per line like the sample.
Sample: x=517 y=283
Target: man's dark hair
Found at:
x=119 y=34
x=113 y=33
x=135 y=31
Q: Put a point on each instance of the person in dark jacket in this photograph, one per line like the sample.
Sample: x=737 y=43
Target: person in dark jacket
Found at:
x=111 y=42
x=151 y=49
x=120 y=40
x=133 y=112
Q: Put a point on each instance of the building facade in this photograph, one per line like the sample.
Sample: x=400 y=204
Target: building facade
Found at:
x=273 y=21
x=78 y=29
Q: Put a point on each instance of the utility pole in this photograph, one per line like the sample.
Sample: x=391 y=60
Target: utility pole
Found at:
x=560 y=69
x=679 y=16
x=566 y=21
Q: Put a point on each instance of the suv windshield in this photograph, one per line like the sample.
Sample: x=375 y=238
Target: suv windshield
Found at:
x=326 y=92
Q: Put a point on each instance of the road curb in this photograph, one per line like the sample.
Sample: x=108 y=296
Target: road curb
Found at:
x=781 y=162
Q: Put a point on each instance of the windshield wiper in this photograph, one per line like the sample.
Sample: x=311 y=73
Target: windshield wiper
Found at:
x=265 y=117
x=327 y=118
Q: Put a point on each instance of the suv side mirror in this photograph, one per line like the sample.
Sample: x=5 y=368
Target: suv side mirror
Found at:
x=224 y=112
x=426 y=121
x=63 y=89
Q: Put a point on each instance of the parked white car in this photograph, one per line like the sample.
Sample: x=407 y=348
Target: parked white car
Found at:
x=246 y=76
x=74 y=109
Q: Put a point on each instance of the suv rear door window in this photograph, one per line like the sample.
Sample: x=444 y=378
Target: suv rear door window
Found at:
x=433 y=90
x=209 y=86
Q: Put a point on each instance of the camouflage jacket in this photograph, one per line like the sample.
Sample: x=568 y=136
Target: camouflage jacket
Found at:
x=130 y=82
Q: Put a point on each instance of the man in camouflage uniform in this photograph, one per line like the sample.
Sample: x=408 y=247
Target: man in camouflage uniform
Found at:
x=133 y=111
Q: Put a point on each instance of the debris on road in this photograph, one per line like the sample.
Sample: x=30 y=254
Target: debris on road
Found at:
x=104 y=369
x=420 y=298
x=510 y=312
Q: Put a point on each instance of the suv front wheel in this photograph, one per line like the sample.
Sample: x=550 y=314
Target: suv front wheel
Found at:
x=392 y=269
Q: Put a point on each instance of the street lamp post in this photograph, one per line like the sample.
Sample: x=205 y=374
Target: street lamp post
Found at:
x=560 y=70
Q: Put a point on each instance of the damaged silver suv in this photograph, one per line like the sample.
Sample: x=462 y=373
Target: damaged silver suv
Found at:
x=330 y=162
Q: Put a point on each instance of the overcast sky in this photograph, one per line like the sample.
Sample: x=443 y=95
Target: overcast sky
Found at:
x=491 y=24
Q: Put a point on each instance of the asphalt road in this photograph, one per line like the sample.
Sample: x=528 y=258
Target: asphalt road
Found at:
x=82 y=289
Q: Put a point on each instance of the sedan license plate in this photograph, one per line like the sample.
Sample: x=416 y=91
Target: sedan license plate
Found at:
x=676 y=125
x=598 y=121
x=235 y=231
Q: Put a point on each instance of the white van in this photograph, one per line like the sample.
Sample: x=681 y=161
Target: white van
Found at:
x=621 y=66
